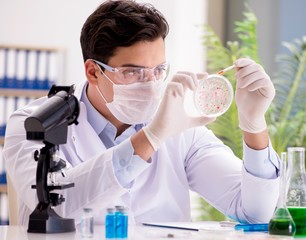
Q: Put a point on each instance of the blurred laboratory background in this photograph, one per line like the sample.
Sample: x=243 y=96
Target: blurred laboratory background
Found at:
x=54 y=27
x=57 y=24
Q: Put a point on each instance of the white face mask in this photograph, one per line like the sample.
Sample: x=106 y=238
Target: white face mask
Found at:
x=135 y=103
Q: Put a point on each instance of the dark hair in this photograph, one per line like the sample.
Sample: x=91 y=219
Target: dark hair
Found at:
x=120 y=23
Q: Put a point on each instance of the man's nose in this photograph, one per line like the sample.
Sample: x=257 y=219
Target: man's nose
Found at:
x=149 y=75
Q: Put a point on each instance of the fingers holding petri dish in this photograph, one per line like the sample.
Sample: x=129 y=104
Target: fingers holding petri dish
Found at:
x=213 y=96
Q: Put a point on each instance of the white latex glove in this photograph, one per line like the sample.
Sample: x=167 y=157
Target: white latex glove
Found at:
x=170 y=118
x=254 y=94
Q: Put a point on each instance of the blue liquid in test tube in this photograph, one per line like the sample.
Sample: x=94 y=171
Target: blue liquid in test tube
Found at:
x=110 y=224
x=121 y=222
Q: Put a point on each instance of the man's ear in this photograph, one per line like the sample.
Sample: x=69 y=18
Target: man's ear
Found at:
x=91 y=71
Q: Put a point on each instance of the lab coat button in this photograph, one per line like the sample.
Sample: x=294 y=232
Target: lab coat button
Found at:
x=122 y=162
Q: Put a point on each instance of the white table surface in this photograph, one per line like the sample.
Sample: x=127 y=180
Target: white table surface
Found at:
x=208 y=230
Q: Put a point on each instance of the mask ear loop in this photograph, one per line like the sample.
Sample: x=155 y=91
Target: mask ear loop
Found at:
x=105 y=74
x=98 y=89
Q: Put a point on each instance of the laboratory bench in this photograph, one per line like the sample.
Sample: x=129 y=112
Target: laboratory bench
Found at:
x=208 y=230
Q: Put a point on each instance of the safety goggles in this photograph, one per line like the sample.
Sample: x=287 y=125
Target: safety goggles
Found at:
x=128 y=75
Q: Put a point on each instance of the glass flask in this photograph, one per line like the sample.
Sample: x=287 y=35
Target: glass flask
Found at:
x=282 y=223
x=296 y=195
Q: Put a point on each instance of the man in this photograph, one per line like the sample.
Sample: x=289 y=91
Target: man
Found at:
x=135 y=149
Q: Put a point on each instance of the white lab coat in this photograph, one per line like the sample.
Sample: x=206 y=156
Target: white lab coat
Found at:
x=194 y=160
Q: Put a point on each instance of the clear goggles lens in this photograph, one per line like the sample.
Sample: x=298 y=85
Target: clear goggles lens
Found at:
x=137 y=74
x=128 y=75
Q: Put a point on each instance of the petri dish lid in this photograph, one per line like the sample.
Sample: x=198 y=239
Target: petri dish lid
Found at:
x=213 y=96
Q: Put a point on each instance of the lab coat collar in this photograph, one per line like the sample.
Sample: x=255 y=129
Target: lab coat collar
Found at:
x=78 y=137
x=79 y=89
x=84 y=132
x=87 y=133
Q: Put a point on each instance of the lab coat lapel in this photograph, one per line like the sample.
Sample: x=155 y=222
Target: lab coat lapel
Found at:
x=86 y=142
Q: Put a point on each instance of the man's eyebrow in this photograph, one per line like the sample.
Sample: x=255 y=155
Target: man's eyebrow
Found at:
x=139 y=66
x=132 y=65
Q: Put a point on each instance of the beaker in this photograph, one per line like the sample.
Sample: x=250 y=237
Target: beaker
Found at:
x=282 y=223
x=296 y=195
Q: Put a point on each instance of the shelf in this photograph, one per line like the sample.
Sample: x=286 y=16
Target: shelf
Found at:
x=13 y=92
x=3 y=188
x=30 y=48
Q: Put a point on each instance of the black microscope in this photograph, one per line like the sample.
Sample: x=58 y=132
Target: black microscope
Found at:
x=49 y=123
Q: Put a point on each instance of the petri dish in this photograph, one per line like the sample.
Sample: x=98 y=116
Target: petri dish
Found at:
x=213 y=96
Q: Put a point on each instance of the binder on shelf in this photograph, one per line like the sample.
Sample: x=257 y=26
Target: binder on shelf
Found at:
x=2 y=66
x=31 y=69
x=22 y=101
x=3 y=178
x=5 y=63
x=3 y=114
x=21 y=69
x=9 y=108
x=2 y=130
x=53 y=73
x=11 y=67
x=2 y=168
x=43 y=65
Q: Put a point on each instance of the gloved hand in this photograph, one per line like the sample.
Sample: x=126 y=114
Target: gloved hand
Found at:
x=254 y=94
x=170 y=118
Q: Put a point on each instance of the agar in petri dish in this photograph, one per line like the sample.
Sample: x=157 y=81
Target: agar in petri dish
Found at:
x=213 y=95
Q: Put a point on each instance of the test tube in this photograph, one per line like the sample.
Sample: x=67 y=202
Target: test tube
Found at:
x=121 y=222
x=110 y=224
x=87 y=223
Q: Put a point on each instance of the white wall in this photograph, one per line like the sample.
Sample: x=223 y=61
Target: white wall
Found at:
x=184 y=46
x=58 y=23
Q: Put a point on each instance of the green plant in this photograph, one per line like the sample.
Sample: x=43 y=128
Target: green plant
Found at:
x=286 y=116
